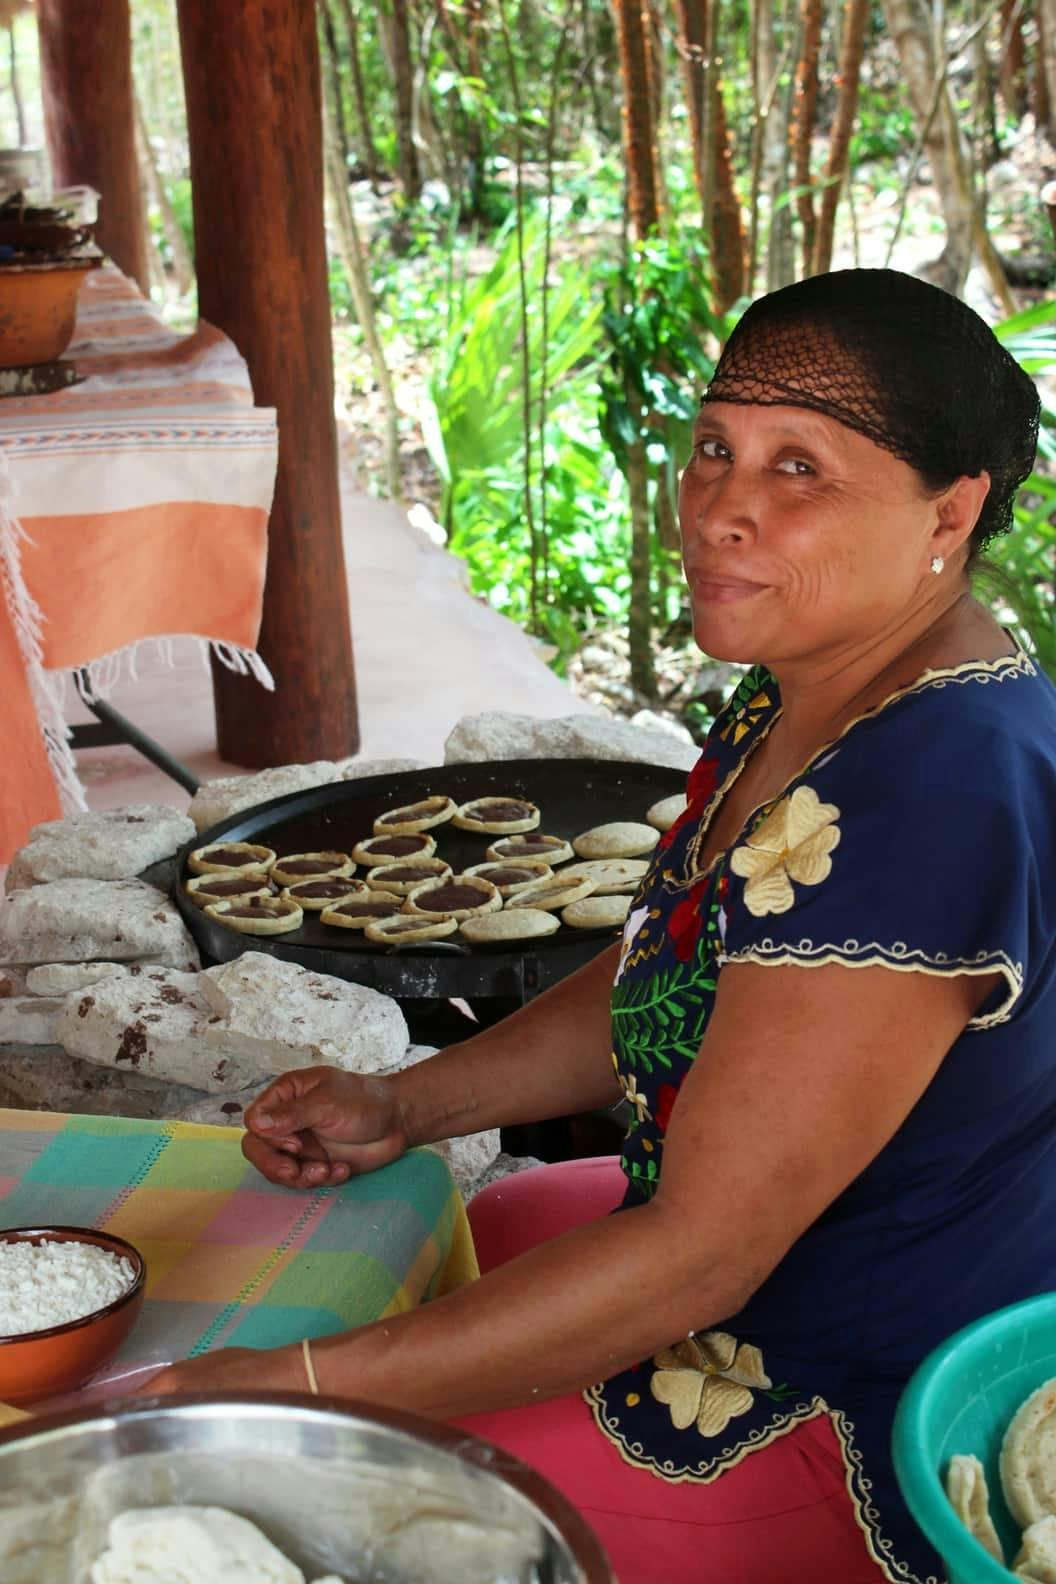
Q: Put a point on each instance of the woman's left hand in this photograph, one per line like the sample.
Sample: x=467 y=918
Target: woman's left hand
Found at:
x=232 y=1370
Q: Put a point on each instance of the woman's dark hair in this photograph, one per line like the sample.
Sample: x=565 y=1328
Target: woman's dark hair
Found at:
x=904 y=363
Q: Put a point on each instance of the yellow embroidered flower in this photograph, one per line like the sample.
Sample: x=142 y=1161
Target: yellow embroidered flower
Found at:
x=633 y=1095
x=707 y=1380
x=793 y=843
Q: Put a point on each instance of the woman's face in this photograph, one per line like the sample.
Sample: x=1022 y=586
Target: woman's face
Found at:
x=800 y=537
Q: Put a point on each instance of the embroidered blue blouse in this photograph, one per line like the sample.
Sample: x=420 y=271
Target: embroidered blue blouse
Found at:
x=923 y=838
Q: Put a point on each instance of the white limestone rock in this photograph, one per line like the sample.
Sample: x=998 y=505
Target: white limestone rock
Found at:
x=649 y=720
x=18 y=875
x=82 y=920
x=12 y=983
x=360 y=769
x=226 y=1109
x=500 y=735
x=279 y=1015
x=58 y=979
x=218 y=800
x=48 y=1078
x=232 y=1026
x=504 y=1166
x=29 y=1020
x=467 y=1158
x=105 y=844
x=151 y=1023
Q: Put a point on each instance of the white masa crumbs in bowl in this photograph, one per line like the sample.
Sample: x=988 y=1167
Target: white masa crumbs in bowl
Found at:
x=51 y=1283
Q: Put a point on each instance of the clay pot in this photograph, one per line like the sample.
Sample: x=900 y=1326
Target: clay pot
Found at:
x=38 y=306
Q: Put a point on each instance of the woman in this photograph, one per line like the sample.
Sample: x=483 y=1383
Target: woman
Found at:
x=832 y=1010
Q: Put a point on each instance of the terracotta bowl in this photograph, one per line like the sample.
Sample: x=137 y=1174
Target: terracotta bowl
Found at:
x=38 y=1364
x=38 y=307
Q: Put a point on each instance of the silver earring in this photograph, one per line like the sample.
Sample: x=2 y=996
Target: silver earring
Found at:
x=937 y=563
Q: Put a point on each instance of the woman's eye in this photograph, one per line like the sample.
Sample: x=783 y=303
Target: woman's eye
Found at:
x=711 y=448
x=796 y=465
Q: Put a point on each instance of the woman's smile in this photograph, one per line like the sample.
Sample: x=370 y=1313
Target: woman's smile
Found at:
x=708 y=588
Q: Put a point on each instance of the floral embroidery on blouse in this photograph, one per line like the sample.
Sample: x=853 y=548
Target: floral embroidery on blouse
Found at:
x=703 y=779
x=633 y=1095
x=793 y=842
x=708 y=1380
x=750 y=711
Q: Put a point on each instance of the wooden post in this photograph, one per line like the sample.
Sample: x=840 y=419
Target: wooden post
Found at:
x=86 y=85
x=251 y=77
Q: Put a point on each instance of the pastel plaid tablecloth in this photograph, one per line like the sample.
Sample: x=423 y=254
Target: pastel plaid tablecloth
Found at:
x=232 y=1260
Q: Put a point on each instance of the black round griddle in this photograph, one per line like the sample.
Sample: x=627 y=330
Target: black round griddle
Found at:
x=572 y=795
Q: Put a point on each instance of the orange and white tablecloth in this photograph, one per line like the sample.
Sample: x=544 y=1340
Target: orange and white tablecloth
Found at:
x=133 y=505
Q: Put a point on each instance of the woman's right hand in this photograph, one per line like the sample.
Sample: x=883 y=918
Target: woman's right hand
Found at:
x=317 y=1126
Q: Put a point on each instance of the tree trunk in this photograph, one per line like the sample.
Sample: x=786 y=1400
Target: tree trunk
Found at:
x=353 y=258
x=643 y=201
x=856 y=17
x=639 y=621
x=1041 y=101
x=1047 y=65
x=475 y=153
x=1012 y=57
x=728 y=224
x=985 y=146
x=403 y=83
x=588 y=56
x=254 y=118
x=772 y=155
x=16 y=87
x=359 y=92
x=182 y=268
x=712 y=163
x=639 y=145
x=695 y=51
x=909 y=25
x=332 y=62
x=804 y=116
x=652 y=32
x=86 y=83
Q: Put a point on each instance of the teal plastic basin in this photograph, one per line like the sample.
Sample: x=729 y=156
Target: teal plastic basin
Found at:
x=961 y=1399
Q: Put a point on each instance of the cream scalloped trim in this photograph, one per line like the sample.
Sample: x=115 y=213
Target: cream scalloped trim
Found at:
x=899 y=956
x=634 y=1454
x=865 y=1514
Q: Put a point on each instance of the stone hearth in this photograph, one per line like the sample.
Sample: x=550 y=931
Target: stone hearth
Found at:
x=105 y=1007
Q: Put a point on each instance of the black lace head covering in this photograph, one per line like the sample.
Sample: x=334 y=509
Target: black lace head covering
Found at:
x=904 y=363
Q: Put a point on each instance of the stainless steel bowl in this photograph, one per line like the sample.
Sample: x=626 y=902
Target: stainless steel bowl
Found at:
x=375 y=1496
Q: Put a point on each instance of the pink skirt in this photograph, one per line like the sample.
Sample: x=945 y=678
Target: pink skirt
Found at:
x=782 y=1516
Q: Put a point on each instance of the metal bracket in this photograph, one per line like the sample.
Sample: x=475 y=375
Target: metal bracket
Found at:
x=111 y=727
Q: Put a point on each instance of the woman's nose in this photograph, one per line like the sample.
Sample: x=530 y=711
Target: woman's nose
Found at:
x=723 y=510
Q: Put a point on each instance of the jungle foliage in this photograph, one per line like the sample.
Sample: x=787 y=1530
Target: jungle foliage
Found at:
x=562 y=209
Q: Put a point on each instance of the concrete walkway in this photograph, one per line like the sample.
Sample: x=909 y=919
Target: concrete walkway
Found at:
x=426 y=653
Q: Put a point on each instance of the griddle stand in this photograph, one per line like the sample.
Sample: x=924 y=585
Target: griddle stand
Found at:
x=110 y=728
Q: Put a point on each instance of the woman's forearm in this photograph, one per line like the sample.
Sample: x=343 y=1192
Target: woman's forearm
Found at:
x=553 y=1057
x=554 y=1320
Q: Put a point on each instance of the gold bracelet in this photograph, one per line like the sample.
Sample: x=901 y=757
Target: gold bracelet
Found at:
x=309 y=1367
